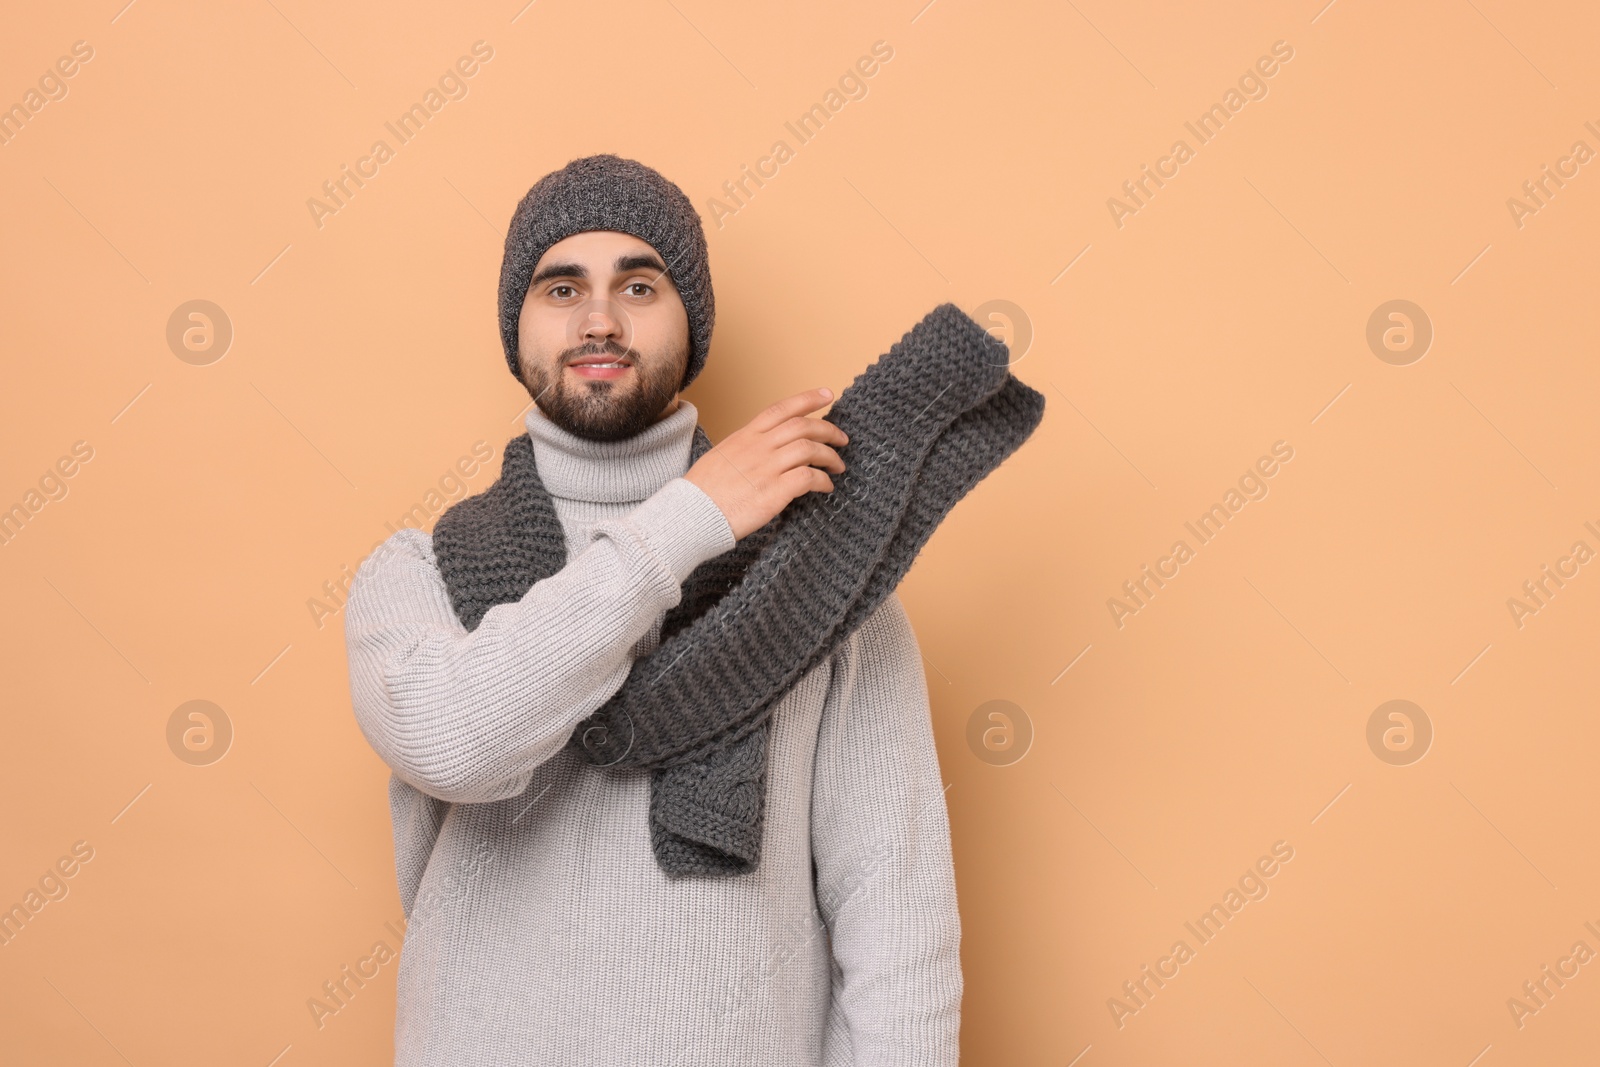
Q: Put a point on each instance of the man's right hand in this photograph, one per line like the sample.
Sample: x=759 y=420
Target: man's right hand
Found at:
x=755 y=472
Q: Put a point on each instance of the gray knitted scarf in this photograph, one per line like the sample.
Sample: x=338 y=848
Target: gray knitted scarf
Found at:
x=927 y=422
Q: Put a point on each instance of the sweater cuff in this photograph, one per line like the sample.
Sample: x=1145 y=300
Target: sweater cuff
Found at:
x=683 y=527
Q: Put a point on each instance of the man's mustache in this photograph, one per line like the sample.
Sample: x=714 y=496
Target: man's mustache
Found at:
x=609 y=348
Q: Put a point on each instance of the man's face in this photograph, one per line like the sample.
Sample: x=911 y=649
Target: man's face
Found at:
x=603 y=297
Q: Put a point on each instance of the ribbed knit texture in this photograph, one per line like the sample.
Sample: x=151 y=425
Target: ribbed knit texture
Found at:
x=695 y=711
x=541 y=929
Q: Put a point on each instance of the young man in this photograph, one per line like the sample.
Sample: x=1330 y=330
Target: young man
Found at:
x=541 y=928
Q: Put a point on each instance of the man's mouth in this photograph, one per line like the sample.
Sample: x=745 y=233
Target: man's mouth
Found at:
x=600 y=367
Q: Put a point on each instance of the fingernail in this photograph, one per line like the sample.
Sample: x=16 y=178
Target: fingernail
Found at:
x=826 y=393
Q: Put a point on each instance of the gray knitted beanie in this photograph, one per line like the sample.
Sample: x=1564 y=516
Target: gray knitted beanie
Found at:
x=607 y=192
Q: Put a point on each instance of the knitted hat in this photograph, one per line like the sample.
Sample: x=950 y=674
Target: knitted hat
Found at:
x=606 y=192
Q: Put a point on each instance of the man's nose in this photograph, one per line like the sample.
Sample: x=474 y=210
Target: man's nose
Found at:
x=597 y=320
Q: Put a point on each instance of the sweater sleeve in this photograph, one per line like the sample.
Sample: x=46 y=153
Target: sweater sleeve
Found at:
x=467 y=717
x=881 y=843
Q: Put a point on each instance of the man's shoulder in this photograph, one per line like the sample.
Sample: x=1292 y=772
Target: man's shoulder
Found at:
x=407 y=545
x=886 y=629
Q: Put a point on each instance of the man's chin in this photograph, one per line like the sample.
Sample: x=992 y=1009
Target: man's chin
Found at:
x=600 y=418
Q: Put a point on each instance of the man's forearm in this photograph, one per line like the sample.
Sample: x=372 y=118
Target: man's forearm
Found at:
x=468 y=716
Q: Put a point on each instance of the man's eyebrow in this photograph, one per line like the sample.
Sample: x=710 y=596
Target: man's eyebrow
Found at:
x=624 y=264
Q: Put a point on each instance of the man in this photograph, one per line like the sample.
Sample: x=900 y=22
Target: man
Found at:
x=541 y=929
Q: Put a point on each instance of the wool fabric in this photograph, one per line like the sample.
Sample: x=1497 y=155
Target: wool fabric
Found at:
x=539 y=926
x=926 y=421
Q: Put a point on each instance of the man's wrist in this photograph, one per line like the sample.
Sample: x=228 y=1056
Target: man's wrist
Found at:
x=683 y=527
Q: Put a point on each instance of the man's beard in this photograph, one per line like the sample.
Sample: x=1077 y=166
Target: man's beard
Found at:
x=607 y=410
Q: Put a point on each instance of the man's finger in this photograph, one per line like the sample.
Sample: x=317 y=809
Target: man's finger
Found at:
x=789 y=407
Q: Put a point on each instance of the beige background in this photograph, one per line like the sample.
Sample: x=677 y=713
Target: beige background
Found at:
x=1228 y=313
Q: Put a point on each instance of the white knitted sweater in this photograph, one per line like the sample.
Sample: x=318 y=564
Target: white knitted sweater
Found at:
x=541 y=929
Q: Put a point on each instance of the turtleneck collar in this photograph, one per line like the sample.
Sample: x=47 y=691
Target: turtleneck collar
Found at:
x=611 y=472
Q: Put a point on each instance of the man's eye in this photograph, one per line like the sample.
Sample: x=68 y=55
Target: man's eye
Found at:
x=640 y=285
x=555 y=290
